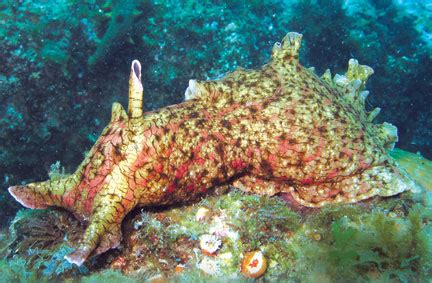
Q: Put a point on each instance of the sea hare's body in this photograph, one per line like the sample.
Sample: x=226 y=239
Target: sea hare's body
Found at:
x=277 y=129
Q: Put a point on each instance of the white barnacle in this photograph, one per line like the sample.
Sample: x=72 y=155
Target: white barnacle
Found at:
x=210 y=243
x=209 y=266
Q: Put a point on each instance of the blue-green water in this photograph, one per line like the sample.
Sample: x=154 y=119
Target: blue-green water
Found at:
x=63 y=63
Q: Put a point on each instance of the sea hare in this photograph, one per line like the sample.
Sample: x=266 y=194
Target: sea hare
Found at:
x=278 y=129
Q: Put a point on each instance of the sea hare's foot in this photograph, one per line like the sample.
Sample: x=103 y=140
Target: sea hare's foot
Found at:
x=110 y=240
x=380 y=180
x=295 y=206
x=79 y=255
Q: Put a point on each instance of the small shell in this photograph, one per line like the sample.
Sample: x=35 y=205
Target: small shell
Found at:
x=201 y=213
x=254 y=264
x=179 y=268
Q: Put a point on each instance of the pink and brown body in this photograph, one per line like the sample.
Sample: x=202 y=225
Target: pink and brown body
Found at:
x=277 y=129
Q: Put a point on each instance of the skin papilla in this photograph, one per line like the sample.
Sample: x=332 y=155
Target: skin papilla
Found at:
x=278 y=129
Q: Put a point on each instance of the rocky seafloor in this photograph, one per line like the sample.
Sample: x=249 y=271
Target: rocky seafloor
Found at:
x=63 y=63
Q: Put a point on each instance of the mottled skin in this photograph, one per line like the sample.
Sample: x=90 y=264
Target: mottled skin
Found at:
x=276 y=129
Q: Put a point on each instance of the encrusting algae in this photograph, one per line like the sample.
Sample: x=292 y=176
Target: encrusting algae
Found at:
x=278 y=129
x=418 y=167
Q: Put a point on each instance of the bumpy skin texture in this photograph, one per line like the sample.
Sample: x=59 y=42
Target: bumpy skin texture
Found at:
x=277 y=129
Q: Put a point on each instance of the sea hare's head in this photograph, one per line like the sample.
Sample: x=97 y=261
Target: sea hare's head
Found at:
x=103 y=157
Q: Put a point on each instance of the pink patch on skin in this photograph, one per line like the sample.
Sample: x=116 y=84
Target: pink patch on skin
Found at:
x=130 y=194
x=309 y=158
x=363 y=163
x=234 y=121
x=274 y=117
x=181 y=171
x=128 y=199
x=333 y=193
x=228 y=109
x=114 y=136
x=126 y=202
x=68 y=201
x=131 y=183
x=307 y=181
x=159 y=168
x=204 y=134
x=285 y=146
x=249 y=151
x=200 y=161
x=91 y=194
x=207 y=115
x=169 y=151
x=332 y=174
x=143 y=157
x=327 y=101
x=272 y=160
x=212 y=156
x=347 y=151
x=238 y=164
x=141 y=182
x=173 y=127
x=147 y=133
x=156 y=130
x=364 y=188
x=219 y=136
x=171 y=188
x=190 y=187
